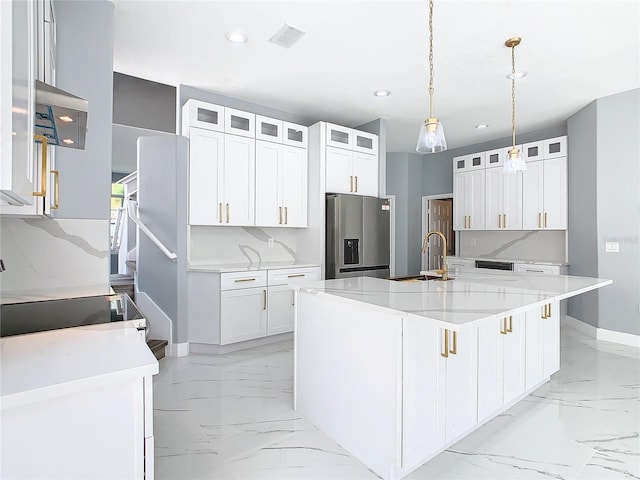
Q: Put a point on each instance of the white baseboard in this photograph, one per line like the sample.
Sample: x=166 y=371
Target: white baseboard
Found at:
x=601 y=333
x=177 y=349
x=619 y=337
x=579 y=325
x=222 y=349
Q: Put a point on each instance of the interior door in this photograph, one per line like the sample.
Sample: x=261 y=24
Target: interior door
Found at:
x=440 y=219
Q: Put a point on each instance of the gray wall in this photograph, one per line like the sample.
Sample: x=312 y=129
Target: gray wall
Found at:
x=617 y=187
x=583 y=232
x=85 y=68
x=144 y=104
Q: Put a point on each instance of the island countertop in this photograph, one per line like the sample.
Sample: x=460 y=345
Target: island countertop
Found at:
x=468 y=298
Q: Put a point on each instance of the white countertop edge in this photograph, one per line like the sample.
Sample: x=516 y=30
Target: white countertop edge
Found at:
x=18 y=399
x=229 y=268
x=510 y=260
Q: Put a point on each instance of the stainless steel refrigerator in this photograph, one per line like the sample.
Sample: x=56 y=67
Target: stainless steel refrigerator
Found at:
x=357 y=236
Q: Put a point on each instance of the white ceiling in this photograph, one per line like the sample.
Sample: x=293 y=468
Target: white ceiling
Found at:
x=573 y=51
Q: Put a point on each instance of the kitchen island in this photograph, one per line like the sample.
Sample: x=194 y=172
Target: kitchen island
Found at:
x=396 y=372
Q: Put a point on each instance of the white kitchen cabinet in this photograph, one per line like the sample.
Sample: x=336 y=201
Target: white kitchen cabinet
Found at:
x=465 y=163
x=281 y=185
x=206 y=160
x=339 y=137
x=494 y=158
x=469 y=200
x=544 y=195
x=439 y=401
x=537 y=268
x=542 y=326
x=295 y=135
x=351 y=172
x=243 y=314
x=237 y=122
x=238 y=181
x=501 y=363
x=268 y=129
x=280 y=305
x=454 y=263
x=555 y=147
x=365 y=142
x=208 y=116
x=503 y=200
x=532 y=152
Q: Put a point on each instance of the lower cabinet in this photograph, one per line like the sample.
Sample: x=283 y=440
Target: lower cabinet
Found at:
x=439 y=404
x=232 y=307
x=542 y=343
x=501 y=363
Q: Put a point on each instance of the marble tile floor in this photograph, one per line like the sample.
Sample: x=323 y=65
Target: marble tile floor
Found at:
x=231 y=417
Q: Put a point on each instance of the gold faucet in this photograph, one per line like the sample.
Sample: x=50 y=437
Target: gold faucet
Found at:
x=425 y=242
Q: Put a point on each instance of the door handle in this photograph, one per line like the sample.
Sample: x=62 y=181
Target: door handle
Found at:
x=510 y=329
x=545 y=219
x=454 y=350
x=56 y=196
x=220 y=211
x=228 y=216
x=286 y=215
x=356 y=183
x=280 y=221
x=351 y=183
x=504 y=220
x=499 y=221
x=264 y=296
x=446 y=344
x=503 y=328
x=43 y=173
x=539 y=220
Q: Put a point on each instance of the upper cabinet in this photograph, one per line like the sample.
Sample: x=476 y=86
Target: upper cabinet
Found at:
x=351 y=161
x=535 y=199
x=244 y=169
x=28 y=179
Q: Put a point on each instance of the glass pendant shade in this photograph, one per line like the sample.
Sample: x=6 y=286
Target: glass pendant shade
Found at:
x=431 y=138
x=514 y=161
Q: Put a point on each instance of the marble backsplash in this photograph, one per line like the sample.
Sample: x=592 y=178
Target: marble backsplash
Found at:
x=223 y=245
x=532 y=245
x=47 y=258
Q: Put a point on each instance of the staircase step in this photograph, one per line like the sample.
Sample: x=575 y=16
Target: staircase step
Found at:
x=157 y=347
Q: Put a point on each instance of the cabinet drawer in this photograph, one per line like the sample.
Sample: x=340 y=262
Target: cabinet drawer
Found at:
x=237 y=280
x=268 y=129
x=555 y=147
x=285 y=275
x=240 y=123
x=203 y=115
x=532 y=151
x=540 y=269
x=341 y=137
x=365 y=142
x=294 y=134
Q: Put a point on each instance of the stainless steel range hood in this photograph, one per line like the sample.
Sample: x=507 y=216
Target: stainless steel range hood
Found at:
x=60 y=116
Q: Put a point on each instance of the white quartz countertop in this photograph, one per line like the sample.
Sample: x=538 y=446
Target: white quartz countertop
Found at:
x=48 y=364
x=512 y=260
x=470 y=297
x=247 y=267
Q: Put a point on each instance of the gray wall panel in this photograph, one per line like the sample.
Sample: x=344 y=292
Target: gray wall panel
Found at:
x=397 y=184
x=583 y=228
x=144 y=104
x=85 y=69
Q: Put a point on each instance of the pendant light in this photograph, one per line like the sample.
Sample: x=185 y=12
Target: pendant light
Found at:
x=514 y=161
x=431 y=138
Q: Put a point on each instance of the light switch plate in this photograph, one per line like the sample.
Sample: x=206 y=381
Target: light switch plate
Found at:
x=611 y=247
x=270 y=242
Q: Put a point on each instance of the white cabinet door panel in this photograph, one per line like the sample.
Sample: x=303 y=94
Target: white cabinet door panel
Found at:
x=512 y=201
x=494 y=200
x=514 y=357
x=550 y=334
x=280 y=308
x=462 y=383
x=243 y=314
x=459 y=207
x=239 y=180
x=339 y=178
x=532 y=199
x=206 y=154
x=365 y=172
x=294 y=186
x=555 y=193
x=268 y=185
x=476 y=199
x=533 y=346
x=490 y=371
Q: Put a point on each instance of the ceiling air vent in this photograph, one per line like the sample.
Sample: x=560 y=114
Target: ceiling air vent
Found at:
x=287 y=36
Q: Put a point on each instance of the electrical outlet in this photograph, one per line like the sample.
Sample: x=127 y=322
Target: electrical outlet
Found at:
x=611 y=247
x=270 y=242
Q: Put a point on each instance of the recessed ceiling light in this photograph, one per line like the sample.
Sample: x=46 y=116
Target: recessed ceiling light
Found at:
x=68 y=141
x=481 y=126
x=66 y=118
x=236 y=37
x=516 y=75
x=382 y=93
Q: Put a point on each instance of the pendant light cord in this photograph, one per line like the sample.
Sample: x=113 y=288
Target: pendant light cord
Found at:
x=430 y=58
x=513 y=96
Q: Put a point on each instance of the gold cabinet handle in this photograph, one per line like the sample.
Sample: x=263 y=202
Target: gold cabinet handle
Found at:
x=238 y=280
x=56 y=196
x=499 y=221
x=43 y=175
x=356 y=183
x=264 y=296
x=510 y=329
x=296 y=275
x=544 y=311
x=286 y=216
x=280 y=221
x=504 y=220
x=549 y=310
x=503 y=328
x=220 y=211
x=454 y=350
x=228 y=216
x=539 y=220
x=469 y=221
x=351 y=183
x=446 y=344
x=545 y=219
